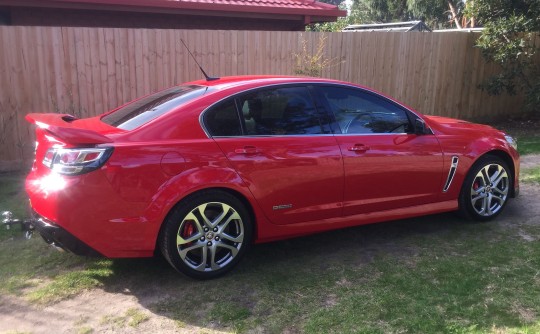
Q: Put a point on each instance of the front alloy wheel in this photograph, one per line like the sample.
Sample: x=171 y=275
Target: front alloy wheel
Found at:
x=206 y=234
x=489 y=190
x=486 y=189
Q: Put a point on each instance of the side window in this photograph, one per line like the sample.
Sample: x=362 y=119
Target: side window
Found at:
x=223 y=120
x=280 y=111
x=360 y=112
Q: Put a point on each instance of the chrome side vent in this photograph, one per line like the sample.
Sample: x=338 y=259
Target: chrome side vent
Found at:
x=451 y=173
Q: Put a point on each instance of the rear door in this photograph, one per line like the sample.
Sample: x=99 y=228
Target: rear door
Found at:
x=283 y=149
x=386 y=165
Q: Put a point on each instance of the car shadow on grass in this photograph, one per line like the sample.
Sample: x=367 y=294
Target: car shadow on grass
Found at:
x=290 y=279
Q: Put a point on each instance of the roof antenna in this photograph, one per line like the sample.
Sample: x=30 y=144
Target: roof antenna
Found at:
x=208 y=78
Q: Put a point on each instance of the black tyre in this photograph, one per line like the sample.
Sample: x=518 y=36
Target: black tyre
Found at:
x=206 y=234
x=486 y=189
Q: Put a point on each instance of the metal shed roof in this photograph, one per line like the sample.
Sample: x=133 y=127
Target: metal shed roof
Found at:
x=394 y=26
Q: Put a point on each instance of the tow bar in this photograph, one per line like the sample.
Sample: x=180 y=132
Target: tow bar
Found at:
x=26 y=225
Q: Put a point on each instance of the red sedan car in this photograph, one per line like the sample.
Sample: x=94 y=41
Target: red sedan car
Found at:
x=203 y=170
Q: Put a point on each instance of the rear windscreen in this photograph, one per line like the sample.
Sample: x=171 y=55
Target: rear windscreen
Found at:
x=142 y=111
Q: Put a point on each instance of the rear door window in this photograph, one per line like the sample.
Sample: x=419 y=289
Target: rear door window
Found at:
x=148 y=108
x=280 y=111
x=222 y=120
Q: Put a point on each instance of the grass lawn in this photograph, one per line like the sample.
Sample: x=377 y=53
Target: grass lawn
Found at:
x=529 y=144
x=433 y=274
x=531 y=175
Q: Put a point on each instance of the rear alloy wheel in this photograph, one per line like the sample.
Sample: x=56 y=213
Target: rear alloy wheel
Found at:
x=486 y=189
x=206 y=234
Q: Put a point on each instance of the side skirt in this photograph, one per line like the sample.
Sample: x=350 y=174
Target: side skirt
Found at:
x=280 y=232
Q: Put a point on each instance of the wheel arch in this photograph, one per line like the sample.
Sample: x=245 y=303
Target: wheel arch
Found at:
x=241 y=197
x=248 y=205
x=466 y=208
x=504 y=156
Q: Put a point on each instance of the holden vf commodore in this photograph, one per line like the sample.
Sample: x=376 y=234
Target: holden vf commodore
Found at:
x=203 y=170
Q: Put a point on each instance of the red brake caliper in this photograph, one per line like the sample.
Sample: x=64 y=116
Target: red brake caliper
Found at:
x=188 y=230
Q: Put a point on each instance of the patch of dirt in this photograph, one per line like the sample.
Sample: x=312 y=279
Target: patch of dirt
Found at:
x=96 y=310
x=330 y=301
x=526 y=207
x=526 y=236
x=90 y=310
x=525 y=314
x=520 y=126
x=530 y=161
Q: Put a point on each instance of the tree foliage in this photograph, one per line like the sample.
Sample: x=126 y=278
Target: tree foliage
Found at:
x=332 y=2
x=438 y=13
x=511 y=39
x=341 y=22
x=435 y=13
x=382 y=10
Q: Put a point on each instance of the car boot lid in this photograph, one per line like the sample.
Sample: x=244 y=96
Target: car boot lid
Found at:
x=69 y=129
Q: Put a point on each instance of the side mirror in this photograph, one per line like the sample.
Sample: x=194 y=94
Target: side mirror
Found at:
x=419 y=127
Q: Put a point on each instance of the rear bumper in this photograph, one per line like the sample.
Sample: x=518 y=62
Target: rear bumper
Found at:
x=85 y=212
x=59 y=237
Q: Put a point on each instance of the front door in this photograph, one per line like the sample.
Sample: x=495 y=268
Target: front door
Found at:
x=386 y=165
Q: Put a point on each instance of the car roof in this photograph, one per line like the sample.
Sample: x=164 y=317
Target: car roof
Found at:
x=250 y=80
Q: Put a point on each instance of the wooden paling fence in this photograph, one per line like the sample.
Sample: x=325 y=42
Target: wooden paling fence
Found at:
x=87 y=71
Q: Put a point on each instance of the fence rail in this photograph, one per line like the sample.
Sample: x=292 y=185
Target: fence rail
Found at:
x=87 y=71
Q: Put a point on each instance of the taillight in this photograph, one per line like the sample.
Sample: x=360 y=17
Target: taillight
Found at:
x=75 y=161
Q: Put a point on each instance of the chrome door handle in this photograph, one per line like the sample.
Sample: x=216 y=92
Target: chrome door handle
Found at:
x=359 y=148
x=247 y=150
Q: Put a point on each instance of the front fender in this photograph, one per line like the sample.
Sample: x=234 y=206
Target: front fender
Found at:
x=469 y=150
